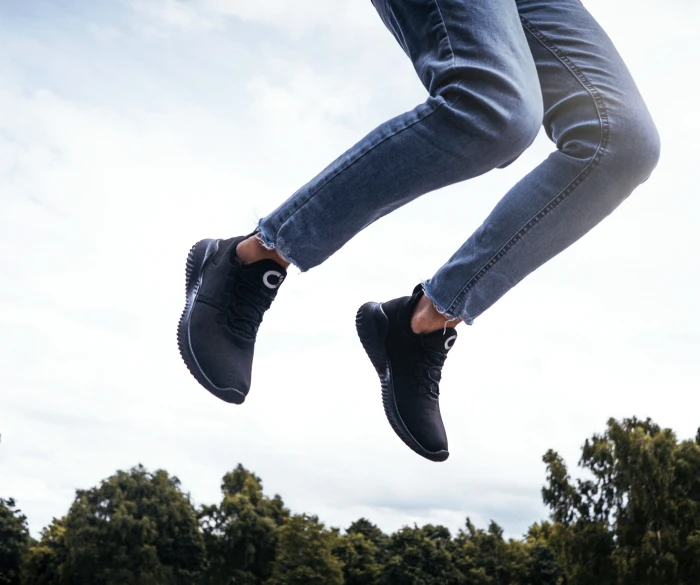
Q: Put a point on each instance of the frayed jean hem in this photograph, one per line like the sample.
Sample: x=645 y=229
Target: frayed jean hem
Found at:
x=445 y=313
x=267 y=243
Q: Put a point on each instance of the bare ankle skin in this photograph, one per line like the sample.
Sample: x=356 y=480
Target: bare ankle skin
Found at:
x=426 y=318
x=251 y=250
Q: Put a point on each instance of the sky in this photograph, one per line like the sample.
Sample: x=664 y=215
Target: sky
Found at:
x=131 y=129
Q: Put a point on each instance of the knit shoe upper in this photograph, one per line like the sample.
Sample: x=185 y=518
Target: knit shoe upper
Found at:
x=226 y=301
x=410 y=368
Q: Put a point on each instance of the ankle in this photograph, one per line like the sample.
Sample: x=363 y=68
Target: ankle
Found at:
x=426 y=318
x=251 y=250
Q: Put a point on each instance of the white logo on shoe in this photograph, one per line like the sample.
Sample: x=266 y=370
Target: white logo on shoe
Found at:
x=450 y=342
x=273 y=285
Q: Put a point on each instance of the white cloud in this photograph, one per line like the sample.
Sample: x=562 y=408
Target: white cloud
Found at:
x=291 y=16
x=105 y=33
x=100 y=207
x=156 y=15
x=295 y=19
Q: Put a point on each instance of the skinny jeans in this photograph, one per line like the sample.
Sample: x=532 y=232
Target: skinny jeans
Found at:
x=495 y=72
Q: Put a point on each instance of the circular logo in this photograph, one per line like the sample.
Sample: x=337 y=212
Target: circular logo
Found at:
x=276 y=277
x=450 y=342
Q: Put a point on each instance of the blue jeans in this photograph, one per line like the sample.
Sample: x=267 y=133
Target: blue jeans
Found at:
x=489 y=66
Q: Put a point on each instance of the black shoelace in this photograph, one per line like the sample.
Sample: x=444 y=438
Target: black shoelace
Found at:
x=429 y=368
x=246 y=305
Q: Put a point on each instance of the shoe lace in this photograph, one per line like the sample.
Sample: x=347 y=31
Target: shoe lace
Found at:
x=429 y=372
x=245 y=305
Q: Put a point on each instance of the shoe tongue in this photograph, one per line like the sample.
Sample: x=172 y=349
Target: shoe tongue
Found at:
x=267 y=273
x=441 y=340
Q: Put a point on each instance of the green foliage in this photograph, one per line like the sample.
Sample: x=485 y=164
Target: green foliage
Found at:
x=14 y=539
x=634 y=519
x=363 y=552
x=360 y=558
x=420 y=556
x=45 y=562
x=542 y=567
x=584 y=550
x=305 y=554
x=241 y=533
x=370 y=532
x=136 y=528
x=484 y=557
x=637 y=520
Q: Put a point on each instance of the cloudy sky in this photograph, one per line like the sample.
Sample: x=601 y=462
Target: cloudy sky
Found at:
x=131 y=129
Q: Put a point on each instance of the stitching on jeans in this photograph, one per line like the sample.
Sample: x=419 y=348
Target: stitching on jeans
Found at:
x=604 y=121
x=355 y=160
x=340 y=171
x=447 y=35
x=352 y=162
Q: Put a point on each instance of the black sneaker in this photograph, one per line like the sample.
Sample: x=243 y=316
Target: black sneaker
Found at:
x=226 y=301
x=409 y=367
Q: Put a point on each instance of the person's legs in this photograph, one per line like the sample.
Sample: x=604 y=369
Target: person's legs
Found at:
x=606 y=146
x=484 y=109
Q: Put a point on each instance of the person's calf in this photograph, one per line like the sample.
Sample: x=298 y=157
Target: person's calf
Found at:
x=427 y=319
x=252 y=250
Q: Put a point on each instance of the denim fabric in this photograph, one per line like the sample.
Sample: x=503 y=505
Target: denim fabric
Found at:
x=495 y=71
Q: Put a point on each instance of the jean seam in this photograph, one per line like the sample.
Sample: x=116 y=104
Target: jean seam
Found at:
x=354 y=161
x=601 y=150
x=447 y=35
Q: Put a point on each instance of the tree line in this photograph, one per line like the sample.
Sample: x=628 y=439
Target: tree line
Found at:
x=633 y=520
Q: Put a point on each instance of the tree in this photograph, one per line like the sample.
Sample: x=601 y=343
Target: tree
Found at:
x=634 y=519
x=484 y=557
x=359 y=556
x=580 y=537
x=363 y=551
x=45 y=562
x=420 y=556
x=241 y=534
x=136 y=527
x=542 y=567
x=637 y=520
x=305 y=554
x=14 y=539
x=371 y=532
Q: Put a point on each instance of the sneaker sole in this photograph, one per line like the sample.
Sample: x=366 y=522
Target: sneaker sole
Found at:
x=372 y=324
x=197 y=259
